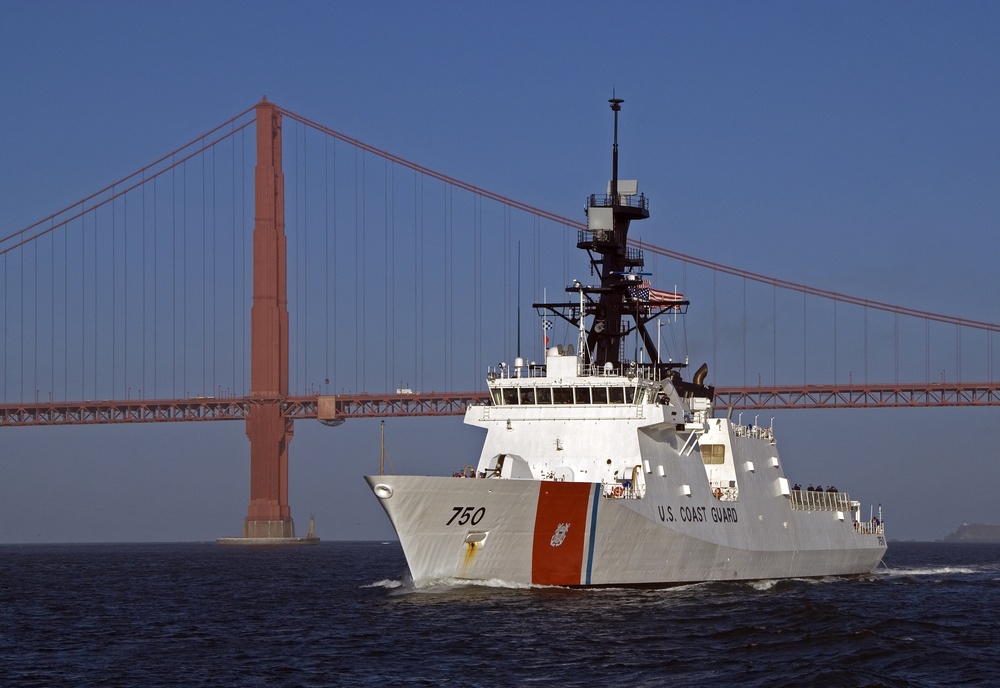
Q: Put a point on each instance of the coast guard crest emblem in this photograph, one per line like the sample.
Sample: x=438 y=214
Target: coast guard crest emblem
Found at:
x=559 y=535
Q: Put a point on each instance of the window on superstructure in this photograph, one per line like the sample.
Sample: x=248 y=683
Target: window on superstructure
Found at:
x=544 y=395
x=600 y=395
x=562 y=395
x=713 y=453
x=510 y=396
x=527 y=395
x=616 y=395
x=583 y=395
x=629 y=395
x=640 y=394
x=497 y=397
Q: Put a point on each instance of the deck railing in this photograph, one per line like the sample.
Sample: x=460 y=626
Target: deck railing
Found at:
x=873 y=527
x=820 y=501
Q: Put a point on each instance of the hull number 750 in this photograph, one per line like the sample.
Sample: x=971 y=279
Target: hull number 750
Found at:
x=466 y=514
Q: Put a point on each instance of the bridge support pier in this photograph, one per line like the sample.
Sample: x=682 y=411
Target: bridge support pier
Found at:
x=269 y=518
x=269 y=515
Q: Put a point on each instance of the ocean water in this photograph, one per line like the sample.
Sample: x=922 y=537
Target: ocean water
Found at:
x=344 y=614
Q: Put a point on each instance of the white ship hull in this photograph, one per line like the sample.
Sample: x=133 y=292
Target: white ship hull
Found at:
x=545 y=532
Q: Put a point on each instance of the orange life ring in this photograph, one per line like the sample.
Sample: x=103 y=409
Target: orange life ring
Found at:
x=718 y=493
x=618 y=491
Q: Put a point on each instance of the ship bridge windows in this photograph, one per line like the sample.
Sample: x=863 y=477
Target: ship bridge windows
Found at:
x=577 y=395
x=562 y=395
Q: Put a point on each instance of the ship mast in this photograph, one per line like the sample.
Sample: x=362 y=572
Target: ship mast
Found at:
x=616 y=308
x=616 y=107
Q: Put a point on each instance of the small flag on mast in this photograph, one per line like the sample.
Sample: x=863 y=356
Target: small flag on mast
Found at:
x=546 y=326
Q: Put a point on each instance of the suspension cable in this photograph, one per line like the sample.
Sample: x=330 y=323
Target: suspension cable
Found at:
x=123 y=180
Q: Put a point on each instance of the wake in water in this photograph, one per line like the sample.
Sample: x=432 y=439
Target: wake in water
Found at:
x=444 y=585
x=384 y=583
x=928 y=571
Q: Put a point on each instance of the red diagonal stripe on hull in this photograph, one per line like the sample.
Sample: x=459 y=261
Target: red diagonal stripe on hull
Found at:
x=561 y=515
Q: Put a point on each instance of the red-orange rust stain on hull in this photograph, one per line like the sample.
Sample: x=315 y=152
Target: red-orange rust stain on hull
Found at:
x=470 y=554
x=560 y=526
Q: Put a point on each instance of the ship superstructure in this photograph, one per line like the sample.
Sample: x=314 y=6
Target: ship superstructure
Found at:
x=597 y=470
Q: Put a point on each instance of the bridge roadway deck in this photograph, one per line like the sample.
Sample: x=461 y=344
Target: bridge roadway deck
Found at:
x=346 y=406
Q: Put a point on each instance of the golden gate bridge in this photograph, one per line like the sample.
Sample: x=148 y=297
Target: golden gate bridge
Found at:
x=367 y=271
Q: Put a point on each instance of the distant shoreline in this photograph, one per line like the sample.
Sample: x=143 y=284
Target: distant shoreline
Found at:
x=975 y=532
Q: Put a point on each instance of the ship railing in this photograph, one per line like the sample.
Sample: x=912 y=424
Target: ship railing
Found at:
x=650 y=372
x=585 y=237
x=805 y=500
x=623 y=490
x=627 y=200
x=873 y=527
x=607 y=239
x=505 y=372
x=756 y=431
x=594 y=370
x=724 y=491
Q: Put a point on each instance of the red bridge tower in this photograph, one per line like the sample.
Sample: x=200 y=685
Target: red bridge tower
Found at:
x=269 y=431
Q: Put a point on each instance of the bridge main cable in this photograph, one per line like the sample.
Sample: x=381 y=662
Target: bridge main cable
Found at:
x=440 y=176
x=668 y=253
x=114 y=185
x=815 y=291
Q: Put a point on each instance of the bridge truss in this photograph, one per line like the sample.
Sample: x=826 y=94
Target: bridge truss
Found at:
x=341 y=407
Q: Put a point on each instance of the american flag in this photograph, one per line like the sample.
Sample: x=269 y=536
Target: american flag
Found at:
x=654 y=297
x=639 y=291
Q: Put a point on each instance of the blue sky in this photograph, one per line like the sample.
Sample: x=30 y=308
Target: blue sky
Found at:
x=852 y=146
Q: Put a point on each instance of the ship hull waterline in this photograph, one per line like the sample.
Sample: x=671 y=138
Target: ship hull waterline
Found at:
x=538 y=532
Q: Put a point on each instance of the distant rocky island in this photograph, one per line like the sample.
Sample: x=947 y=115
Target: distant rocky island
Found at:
x=975 y=532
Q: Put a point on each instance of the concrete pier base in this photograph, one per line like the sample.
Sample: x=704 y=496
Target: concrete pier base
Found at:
x=279 y=528
x=267 y=541
x=277 y=533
